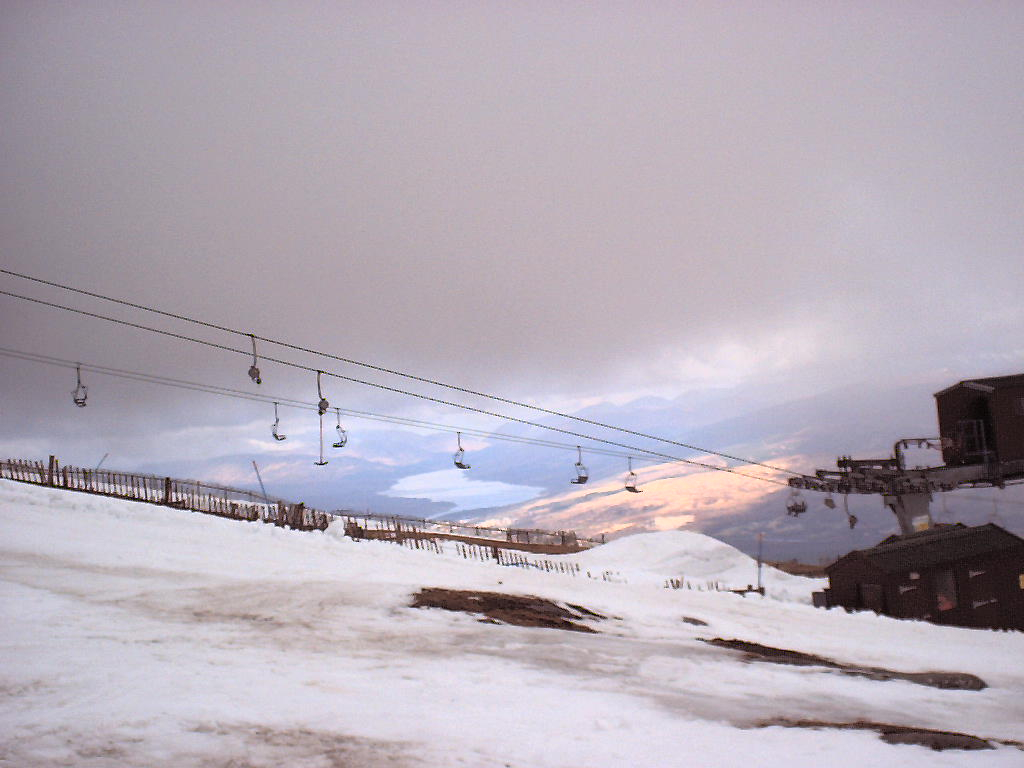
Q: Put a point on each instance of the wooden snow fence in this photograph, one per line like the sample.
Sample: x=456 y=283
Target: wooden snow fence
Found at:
x=192 y=495
x=400 y=529
x=476 y=542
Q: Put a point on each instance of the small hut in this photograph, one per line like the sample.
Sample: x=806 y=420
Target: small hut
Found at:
x=950 y=574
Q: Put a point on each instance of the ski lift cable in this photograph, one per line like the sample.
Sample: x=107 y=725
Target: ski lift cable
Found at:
x=396 y=390
x=284 y=401
x=393 y=372
x=292 y=403
x=368 y=415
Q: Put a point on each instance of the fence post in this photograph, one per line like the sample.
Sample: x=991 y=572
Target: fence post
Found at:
x=51 y=471
x=167 y=491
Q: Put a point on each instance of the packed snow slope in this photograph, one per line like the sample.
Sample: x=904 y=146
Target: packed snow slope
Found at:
x=693 y=558
x=135 y=635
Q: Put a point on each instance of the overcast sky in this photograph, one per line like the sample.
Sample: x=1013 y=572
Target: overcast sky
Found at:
x=567 y=202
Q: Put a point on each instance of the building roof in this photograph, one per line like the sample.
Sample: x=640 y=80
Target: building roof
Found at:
x=942 y=544
x=989 y=384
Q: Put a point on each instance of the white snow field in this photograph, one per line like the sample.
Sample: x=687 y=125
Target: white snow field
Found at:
x=136 y=635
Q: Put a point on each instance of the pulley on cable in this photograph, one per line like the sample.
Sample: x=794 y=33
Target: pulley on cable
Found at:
x=342 y=434
x=796 y=505
x=581 y=471
x=254 y=371
x=322 y=459
x=81 y=392
x=631 y=478
x=273 y=430
x=323 y=405
x=460 y=454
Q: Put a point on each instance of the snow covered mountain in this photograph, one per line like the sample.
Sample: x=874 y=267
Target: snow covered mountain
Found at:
x=800 y=435
x=141 y=635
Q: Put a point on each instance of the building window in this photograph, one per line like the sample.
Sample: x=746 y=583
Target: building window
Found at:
x=945 y=591
x=1022 y=581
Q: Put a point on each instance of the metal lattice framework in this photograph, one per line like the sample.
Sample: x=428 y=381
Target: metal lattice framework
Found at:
x=907 y=492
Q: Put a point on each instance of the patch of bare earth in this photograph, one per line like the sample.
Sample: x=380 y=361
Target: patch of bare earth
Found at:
x=499 y=608
x=902 y=734
x=959 y=681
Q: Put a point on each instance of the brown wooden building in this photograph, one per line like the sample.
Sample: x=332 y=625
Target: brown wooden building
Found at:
x=982 y=420
x=950 y=574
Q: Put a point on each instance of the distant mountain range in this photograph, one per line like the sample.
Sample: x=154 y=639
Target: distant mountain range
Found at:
x=801 y=435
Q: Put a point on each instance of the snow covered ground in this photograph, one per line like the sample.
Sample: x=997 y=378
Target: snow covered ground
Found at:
x=135 y=635
x=696 y=559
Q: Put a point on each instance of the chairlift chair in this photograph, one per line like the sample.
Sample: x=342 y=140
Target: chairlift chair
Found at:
x=323 y=405
x=81 y=392
x=460 y=454
x=322 y=459
x=631 y=478
x=273 y=430
x=254 y=371
x=342 y=434
x=581 y=471
x=796 y=505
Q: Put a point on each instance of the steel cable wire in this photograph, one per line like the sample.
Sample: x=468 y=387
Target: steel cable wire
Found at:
x=384 y=387
x=394 y=372
x=637 y=453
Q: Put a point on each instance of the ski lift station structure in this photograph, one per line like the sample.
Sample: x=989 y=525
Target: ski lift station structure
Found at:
x=981 y=426
x=983 y=420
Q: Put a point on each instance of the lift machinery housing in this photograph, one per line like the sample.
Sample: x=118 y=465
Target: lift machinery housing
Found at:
x=981 y=426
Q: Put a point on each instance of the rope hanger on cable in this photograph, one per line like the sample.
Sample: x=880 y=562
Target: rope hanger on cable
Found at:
x=342 y=434
x=273 y=431
x=460 y=454
x=81 y=392
x=323 y=405
x=852 y=519
x=322 y=459
x=254 y=371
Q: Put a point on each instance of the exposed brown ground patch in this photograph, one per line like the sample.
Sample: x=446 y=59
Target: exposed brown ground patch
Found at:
x=901 y=734
x=960 y=681
x=521 y=610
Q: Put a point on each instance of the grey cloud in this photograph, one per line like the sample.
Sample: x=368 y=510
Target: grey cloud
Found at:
x=553 y=202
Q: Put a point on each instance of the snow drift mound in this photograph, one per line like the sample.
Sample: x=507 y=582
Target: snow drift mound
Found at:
x=694 y=558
